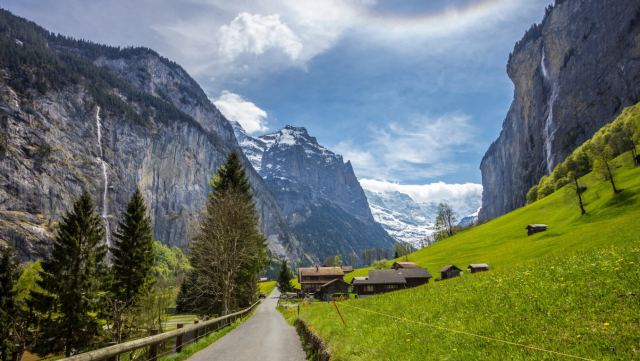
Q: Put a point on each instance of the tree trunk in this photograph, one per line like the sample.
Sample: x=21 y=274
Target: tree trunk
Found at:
x=613 y=184
x=579 y=193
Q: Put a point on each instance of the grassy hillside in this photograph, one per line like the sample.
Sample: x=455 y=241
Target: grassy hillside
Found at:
x=503 y=242
x=573 y=289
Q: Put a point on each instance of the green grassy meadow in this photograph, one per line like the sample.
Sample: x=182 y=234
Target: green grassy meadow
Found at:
x=574 y=289
x=266 y=287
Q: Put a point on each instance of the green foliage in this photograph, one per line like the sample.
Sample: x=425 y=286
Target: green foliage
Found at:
x=9 y=273
x=71 y=281
x=132 y=252
x=622 y=135
x=381 y=264
x=229 y=252
x=284 y=277
x=170 y=262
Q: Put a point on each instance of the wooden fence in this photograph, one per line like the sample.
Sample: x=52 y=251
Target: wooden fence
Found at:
x=183 y=335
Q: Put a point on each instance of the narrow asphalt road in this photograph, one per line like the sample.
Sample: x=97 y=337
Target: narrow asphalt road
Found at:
x=266 y=336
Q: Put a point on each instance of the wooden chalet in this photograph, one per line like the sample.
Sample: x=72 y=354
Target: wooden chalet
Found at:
x=404 y=265
x=331 y=289
x=415 y=276
x=449 y=271
x=311 y=278
x=380 y=281
x=536 y=228
x=478 y=267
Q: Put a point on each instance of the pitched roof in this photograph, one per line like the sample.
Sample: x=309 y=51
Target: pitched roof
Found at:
x=333 y=281
x=478 y=265
x=537 y=225
x=414 y=273
x=448 y=267
x=320 y=271
x=347 y=269
x=406 y=264
x=387 y=276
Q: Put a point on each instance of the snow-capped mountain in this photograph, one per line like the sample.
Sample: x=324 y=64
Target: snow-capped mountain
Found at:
x=410 y=221
x=403 y=218
x=318 y=192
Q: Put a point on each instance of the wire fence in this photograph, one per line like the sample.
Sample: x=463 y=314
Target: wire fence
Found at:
x=488 y=338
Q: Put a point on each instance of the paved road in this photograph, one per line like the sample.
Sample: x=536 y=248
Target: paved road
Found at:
x=266 y=336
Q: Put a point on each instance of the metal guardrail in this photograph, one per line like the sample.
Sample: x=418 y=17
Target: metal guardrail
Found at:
x=196 y=330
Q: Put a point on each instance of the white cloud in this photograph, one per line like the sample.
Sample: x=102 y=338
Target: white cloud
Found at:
x=465 y=197
x=256 y=34
x=421 y=148
x=235 y=108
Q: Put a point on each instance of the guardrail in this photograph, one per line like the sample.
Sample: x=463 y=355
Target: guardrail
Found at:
x=192 y=332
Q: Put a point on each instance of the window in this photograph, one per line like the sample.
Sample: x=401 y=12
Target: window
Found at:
x=391 y=287
x=368 y=288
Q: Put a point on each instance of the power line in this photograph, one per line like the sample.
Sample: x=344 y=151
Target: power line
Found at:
x=470 y=333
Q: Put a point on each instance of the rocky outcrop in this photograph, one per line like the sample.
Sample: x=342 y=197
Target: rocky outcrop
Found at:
x=317 y=191
x=572 y=73
x=158 y=132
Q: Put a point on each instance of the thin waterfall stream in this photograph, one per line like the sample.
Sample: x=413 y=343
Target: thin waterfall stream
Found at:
x=105 y=176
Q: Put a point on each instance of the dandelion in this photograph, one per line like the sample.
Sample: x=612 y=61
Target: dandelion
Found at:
x=606 y=324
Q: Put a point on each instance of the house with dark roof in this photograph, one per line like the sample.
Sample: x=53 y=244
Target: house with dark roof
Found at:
x=311 y=278
x=478 y=267
x=449 y=271
x=380 y=281
x=333 y=289
x=414 y=276
x=399 y=265
x=535 y=228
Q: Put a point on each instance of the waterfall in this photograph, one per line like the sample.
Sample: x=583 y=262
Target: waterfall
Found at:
x=105 y=177
x=549 y=128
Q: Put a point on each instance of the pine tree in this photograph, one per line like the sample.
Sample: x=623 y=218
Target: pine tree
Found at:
x=72 y=283
x=132 y=260
x=229 y=251
x=284 y=278
x=9 y=273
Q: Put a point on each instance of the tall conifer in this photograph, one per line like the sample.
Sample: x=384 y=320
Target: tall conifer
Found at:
x=229 y=251
x=132 y=259
x=71 y=283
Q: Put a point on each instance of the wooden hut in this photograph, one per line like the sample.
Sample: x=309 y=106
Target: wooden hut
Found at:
x=399 y=265
x=536 y=228
x=478 y=267
x=449 y=271
x=327 y=291
x=311 y=278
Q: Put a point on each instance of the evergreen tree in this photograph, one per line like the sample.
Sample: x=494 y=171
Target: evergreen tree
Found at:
x=72 y=283
x=132 y=260
x=284 y=278
x=229 y=251
x=9 y=273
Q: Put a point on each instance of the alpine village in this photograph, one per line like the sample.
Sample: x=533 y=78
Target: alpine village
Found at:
x=428 y=204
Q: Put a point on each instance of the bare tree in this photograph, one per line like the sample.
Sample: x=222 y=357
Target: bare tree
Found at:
x=446 y=218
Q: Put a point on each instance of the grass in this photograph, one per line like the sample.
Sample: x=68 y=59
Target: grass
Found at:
x=174 y=320
x=266 y=287
x=573 y=289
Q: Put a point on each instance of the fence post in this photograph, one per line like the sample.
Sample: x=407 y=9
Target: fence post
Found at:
x=179 y=339
x=153 y=348
x=195 y=332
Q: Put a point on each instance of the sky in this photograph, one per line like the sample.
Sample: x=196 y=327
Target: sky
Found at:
x=412 y=92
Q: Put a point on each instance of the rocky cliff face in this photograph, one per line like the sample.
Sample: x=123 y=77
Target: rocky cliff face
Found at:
x=80 y=116
x=317 y=191
x=572 y=73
